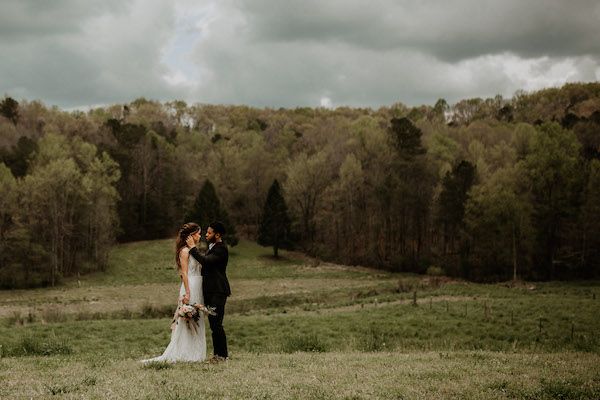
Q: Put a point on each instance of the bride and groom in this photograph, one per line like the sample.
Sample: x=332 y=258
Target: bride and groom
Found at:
x=203 y=282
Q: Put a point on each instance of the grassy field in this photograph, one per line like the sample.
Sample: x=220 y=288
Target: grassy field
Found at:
x=302 y=329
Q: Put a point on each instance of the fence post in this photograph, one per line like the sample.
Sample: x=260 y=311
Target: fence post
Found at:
x=572 y=330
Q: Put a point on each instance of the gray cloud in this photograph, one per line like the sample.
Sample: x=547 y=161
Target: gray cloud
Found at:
x=28 y=19
x=294 y=53
x=449 y=30
x=281 y=53
x=73 y=53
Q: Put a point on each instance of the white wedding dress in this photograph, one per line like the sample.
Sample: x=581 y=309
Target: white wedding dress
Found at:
x=187 y=344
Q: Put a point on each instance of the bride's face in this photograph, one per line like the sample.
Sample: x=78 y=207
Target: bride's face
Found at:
x=196 y=236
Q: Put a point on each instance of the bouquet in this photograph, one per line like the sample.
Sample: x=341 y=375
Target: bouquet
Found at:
x=190 y=313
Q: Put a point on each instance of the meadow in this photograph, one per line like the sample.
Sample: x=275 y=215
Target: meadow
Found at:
x=300 y=328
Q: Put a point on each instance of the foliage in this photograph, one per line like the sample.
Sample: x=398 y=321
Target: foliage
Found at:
x=9 y=108
x=388 y=187
x=554 y=171
x=498 y=224
x=63 y=211
x=18 y=157
x=207 y=209
x=275 y=225
x=455 y=187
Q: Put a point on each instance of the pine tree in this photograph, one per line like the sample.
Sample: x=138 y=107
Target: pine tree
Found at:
x=275 y=225
x=406 y=138
x=455 y=188
x=9 y=108
x=207 y=209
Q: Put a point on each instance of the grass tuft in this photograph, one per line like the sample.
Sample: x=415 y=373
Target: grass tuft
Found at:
x=566 y=390
x=375 y=339
x=158 y=365
x=303 y=343
x=31 y=346
x=55 y=390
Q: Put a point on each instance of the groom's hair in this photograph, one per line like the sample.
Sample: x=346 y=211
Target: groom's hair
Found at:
x=217 y=227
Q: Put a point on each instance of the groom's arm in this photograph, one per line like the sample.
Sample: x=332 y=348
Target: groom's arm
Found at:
x=196 y=254
x=193 y=249
x=214 y=259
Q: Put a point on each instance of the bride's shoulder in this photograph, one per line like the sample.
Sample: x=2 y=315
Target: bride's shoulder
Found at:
x=185 y=251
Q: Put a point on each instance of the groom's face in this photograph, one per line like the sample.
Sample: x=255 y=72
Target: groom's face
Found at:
x=210 y=235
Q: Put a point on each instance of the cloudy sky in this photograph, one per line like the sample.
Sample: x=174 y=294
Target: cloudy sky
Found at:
x=277 y=53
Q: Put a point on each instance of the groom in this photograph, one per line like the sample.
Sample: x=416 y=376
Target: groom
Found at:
x=215 y=285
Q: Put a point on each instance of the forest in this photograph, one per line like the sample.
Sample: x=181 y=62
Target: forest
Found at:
x=484 y=189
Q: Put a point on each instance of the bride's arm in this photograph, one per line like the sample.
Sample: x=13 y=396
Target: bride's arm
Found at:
x=183 y=260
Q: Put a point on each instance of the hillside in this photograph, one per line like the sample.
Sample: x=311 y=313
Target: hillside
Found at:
x=486 y=189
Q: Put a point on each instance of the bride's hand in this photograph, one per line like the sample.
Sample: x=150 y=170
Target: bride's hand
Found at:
x=186 y=299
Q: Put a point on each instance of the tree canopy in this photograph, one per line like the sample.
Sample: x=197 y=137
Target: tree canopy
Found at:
x=275 y=227
x=486 y=189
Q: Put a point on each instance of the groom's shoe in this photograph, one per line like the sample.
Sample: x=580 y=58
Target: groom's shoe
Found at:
x=217 y=359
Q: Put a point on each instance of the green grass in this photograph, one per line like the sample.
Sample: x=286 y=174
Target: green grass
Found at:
x=302 y=329
x=310 y=375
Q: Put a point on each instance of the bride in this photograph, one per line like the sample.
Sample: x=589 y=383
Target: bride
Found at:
x=188 y=343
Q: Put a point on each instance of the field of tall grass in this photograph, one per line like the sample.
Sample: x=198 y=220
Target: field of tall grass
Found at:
x=298 y=328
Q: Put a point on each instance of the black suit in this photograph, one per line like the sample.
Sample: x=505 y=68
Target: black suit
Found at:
x=216 y=290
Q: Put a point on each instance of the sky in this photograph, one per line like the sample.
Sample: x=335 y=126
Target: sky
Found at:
x=273 y=53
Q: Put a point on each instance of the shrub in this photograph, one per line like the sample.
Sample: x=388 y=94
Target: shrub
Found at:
x=435 y=271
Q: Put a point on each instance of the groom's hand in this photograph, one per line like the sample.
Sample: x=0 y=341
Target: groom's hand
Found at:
x=190 y=242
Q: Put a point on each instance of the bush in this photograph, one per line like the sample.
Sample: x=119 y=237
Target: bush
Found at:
x=435 y=271
x=405 y=286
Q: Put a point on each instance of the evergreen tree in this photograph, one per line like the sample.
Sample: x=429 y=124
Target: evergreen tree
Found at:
x=455 y=186
x=9 y=108
x=17 y=158
x=275 y=225
x=406 y=138
x=207 y=209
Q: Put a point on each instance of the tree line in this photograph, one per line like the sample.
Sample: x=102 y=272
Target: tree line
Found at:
x=485 y=189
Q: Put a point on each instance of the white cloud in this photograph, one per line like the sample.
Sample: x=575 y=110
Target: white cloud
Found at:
x=326 y=102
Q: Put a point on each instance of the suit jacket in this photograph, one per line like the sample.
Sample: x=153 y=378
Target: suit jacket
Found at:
x=214 y=268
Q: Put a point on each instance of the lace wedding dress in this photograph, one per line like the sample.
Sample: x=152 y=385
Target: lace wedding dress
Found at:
x=187 y=344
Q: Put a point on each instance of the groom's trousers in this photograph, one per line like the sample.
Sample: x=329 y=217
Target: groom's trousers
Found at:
x=216 y=323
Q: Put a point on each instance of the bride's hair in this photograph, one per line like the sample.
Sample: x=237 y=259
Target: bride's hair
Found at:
x=185 y=231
